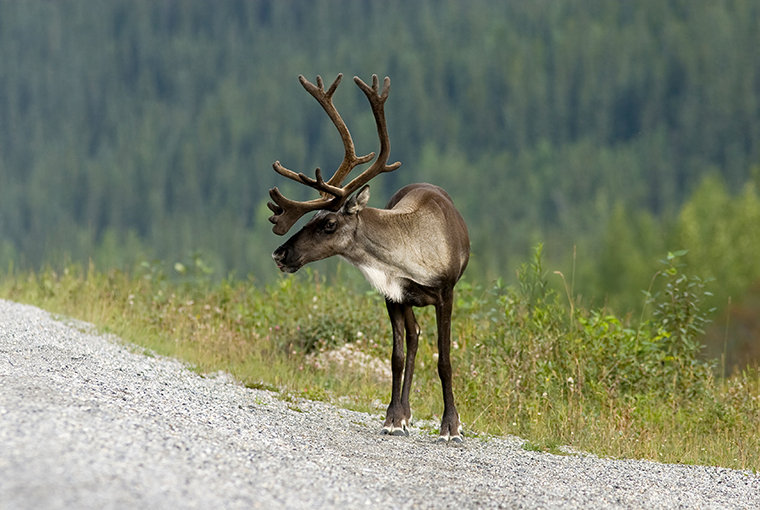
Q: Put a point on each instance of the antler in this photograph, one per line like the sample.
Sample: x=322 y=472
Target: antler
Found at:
x=286 y=211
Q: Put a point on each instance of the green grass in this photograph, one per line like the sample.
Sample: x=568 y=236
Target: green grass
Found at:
x=528 y=361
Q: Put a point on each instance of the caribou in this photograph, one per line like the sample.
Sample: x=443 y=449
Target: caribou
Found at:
x=413 y=252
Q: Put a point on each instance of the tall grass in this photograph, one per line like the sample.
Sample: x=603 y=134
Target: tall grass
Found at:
x=528 y=361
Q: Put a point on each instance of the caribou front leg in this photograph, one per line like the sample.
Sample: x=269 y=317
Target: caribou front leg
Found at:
x=412 y=340
x=399 y=412
x=396 y=418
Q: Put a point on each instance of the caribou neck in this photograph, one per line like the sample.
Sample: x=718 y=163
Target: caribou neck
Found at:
x=388 y=257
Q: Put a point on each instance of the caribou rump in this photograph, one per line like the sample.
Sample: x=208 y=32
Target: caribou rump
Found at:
x=414 y=251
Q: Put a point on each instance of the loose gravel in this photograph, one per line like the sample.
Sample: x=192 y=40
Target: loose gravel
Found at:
x=88 y=422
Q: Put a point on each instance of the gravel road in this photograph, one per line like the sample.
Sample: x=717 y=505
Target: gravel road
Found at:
x=86 y=422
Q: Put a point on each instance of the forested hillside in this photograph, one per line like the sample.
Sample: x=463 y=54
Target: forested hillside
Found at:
x=134 y=130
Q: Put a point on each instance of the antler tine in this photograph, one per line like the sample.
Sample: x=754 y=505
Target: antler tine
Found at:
x=324 y=98
x=318 y=184
x=286 y=211
x=377 y=103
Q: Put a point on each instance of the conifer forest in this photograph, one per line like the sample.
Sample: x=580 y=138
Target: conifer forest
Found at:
x=610 y=131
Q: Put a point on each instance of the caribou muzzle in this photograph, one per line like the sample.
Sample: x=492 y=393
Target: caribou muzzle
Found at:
x=286 y=259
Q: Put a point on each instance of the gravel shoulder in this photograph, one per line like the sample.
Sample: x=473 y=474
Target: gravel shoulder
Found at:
x=85 y=422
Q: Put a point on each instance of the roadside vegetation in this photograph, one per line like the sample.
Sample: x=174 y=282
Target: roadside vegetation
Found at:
x=528 y=360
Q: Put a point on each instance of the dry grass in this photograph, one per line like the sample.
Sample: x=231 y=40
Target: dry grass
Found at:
x=524 y=363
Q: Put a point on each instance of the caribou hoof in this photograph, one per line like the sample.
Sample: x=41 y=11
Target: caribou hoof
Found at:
x=446 y=435
x=447 y=438
x=392 y=430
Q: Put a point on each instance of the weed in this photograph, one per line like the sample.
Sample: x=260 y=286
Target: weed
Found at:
x=260 y=385
x=527 y=361
x=552 y=446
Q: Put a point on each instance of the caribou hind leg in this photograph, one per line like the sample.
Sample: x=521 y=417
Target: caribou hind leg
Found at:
x=451 y=428
x=404 y=325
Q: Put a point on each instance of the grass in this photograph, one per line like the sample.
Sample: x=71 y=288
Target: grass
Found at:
x=528 y=361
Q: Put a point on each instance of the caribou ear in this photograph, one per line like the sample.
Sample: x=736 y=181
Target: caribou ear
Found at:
x=357 y=202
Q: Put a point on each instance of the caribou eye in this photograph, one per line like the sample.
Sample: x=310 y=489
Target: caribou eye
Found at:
x=330 y=227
